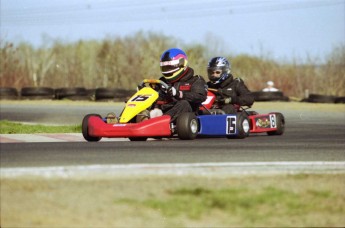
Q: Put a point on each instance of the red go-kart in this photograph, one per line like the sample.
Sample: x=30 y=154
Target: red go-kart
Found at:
x=135 y=123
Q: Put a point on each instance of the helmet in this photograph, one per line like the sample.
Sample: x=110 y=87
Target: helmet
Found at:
x=174 y=64
x=218 y=64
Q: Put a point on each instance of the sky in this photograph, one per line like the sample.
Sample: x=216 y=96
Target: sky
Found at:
x=279 y=29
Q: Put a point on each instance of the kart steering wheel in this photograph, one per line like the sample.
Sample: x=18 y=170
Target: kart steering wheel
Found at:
x=153 y=82
x=215 y=91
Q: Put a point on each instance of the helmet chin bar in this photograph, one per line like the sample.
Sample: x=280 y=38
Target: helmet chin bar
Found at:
x=185 y=70
x=216 y=80
x=213 y=78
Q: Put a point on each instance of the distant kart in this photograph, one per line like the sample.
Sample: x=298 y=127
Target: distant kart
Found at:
x=272 y=123
x=135 y=124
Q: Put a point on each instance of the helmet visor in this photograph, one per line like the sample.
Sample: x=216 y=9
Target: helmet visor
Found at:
x=214 y=71
x=169 y=67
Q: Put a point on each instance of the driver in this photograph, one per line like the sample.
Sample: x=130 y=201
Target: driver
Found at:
x=186 y=92
x=231 y=92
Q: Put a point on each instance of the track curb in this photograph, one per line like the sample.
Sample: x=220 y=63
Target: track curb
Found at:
x=48 y=137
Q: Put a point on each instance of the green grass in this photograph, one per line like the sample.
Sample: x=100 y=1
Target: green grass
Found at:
x=165 y=201
x=8 y=127
x=198 y=202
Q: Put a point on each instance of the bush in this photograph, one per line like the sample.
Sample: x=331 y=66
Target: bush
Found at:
x=124 y=62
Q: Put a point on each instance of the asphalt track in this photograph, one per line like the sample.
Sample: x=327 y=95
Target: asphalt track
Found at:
x=315 y=138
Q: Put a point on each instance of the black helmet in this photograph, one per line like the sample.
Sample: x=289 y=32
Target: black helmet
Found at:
x=220 y=64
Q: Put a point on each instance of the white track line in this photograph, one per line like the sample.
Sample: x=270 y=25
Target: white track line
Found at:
x=199 y=169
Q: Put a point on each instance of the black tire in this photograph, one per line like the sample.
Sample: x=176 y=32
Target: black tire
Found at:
x=280 y=121
x=269 y=96
x=112 y=94
x=85 y=129
x=187 y=126
x=339 y=100
x=104 y=94
x=284 y=98
x=243 y=126
x=137 y=138
x=78 y=93
x=8 y=93
x=37 y=93
x=317 y=98
x=91 y=94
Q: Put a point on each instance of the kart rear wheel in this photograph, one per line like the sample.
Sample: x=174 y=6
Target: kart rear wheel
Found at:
x=137 y=138
x=243 y=126
x=187 y=126
x=280 y=121
x=85 y=129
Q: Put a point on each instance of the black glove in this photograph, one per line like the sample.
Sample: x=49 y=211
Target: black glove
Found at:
x=220 y=92
x=224 y=100
x=224 y=97
x=227 y=100
x=173 y=92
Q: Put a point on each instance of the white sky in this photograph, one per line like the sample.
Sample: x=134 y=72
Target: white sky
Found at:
x=281 y=29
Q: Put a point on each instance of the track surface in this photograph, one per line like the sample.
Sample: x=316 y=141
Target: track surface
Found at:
x=308 y=137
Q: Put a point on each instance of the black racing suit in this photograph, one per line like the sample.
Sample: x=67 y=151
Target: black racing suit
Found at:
x=194 y=92
x=231 y=93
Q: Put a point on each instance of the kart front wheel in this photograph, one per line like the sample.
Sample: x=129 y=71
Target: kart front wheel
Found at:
x=187 y=126
x=280 y=122
x=85 y=129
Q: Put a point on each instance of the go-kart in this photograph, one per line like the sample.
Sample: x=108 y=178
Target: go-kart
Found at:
x=187 y=126
x=206 y=122
x=272 y=123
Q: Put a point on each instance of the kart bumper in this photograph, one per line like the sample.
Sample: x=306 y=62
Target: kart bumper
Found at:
x=155 y=127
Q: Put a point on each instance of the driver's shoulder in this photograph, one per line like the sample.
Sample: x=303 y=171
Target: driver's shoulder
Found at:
x=198 y=77
x=238 y=80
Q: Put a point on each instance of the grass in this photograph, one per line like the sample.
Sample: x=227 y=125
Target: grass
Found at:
x=301 y=200
x=9 y=127
x=257 y=207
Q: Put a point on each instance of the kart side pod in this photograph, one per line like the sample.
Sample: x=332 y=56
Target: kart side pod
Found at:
x=231 y=125
x=189 y=126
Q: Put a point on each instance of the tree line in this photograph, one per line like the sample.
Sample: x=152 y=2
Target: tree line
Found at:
x=124 y=62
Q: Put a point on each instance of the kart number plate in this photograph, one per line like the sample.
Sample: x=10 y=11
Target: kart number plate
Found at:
x=230 y=125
